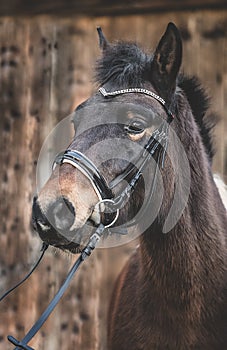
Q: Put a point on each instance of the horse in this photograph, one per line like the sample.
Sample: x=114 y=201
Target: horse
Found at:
x=142 y=138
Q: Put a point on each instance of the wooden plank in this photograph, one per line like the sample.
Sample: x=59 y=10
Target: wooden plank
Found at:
x=102 y=7
x=205 y=56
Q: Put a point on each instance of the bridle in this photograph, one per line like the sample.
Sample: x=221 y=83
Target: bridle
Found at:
x=157 y=143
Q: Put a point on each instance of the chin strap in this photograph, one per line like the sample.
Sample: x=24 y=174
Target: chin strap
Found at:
x=86 y=252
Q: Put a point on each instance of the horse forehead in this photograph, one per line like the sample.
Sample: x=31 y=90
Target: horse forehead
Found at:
x=94 y=115
x=103 y=110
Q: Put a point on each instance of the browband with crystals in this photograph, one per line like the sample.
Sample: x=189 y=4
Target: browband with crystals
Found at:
x=105 y=93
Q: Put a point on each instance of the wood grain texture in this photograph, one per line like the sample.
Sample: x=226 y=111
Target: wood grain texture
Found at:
x=45 y=71
x=103 y=7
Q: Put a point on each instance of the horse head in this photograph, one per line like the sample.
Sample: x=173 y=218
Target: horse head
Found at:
x=121 y=136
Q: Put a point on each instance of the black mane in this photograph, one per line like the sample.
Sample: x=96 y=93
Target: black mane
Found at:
x=126 y=65
x=200 y=102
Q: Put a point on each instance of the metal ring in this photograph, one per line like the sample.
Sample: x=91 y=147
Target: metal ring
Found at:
x=117 y=211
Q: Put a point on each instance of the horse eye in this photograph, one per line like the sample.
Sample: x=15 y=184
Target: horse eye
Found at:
x=135 y=127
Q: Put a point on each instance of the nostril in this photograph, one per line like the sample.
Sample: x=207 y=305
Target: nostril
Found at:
x=59 y=216
x=63 y=214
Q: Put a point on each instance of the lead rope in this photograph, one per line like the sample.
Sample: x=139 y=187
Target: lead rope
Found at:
x=86 y=252
x=43 y=249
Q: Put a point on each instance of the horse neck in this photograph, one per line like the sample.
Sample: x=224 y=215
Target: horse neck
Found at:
x=195 y=244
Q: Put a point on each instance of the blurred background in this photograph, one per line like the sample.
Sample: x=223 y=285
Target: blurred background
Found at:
x=47 y=54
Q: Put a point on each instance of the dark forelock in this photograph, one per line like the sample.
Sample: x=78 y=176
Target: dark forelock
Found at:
x=123 y=64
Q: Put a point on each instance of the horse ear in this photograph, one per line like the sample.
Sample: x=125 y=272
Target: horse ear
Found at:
x=103 y=43
x=167 y=61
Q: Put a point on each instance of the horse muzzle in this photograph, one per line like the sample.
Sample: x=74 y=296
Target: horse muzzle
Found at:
x=54 y=226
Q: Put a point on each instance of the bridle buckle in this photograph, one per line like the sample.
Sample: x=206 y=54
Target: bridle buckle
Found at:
x=108 y=209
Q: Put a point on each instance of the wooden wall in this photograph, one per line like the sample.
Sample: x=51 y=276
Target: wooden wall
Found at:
x=103 y=7
x=45 y=71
